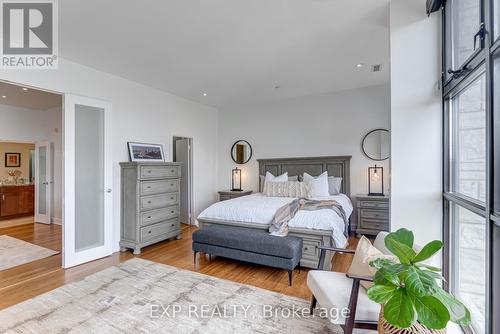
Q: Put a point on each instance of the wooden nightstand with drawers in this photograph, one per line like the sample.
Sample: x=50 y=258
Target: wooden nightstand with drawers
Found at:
x=373 y=214
x=224 y=195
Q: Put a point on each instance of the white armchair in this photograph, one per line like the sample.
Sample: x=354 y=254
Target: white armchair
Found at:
x=334 y=290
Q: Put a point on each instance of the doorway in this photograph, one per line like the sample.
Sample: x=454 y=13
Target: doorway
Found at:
x=30 y=179
x=182 y=151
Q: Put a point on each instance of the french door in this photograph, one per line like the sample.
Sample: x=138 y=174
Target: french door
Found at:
x=43 y=182
x=87 y=228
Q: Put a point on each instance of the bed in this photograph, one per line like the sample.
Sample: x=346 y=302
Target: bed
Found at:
x=315 y=228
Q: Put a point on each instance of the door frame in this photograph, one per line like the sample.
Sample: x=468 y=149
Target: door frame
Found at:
x=70 y=257
x=191 y=176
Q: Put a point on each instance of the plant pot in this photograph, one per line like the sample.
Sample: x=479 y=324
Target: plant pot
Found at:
x=386 y=328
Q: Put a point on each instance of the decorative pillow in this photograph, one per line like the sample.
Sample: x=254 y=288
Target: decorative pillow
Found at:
x=365 y=253
x=334 y=185
x=272 y=178
x=319 y=185
x=287 y=189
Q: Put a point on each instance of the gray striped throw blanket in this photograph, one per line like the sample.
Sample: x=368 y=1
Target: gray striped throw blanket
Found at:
x=279 y=224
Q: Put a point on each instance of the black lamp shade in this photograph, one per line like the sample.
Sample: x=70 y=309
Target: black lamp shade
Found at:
x=236 y=179
x=375 y=181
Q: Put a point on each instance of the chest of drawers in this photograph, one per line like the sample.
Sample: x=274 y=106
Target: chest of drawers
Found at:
x=373 y=214
x=150 y=194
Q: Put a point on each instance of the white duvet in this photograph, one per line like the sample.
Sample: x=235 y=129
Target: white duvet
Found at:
x=260 y=209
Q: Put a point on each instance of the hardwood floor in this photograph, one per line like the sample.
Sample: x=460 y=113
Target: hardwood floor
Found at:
x=24 y=282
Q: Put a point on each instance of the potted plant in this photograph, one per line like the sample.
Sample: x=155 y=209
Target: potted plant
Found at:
x=409 y=291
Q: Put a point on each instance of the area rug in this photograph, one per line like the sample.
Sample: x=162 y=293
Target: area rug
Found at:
x=140 y=296
x=14 y=252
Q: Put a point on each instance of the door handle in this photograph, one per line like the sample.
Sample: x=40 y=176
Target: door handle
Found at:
x=108 y=190
x=3 y=197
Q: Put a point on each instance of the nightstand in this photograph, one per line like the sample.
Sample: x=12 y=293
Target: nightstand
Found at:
x=229 y=194
x=373 y=214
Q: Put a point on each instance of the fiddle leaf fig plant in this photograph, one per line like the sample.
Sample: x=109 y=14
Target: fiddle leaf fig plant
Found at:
x=409 y=290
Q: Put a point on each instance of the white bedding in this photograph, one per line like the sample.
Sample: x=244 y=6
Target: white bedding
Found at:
x=260 y=209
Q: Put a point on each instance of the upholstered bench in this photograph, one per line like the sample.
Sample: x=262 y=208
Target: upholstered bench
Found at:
x=254 y=246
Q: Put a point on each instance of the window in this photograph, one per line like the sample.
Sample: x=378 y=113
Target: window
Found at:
x=464 y=21
x=468 y=117
x=468 y=279
x=471 y=158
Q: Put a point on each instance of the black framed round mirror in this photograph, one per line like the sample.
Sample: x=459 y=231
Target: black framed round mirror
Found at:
x=241 y=152
x=375 y=144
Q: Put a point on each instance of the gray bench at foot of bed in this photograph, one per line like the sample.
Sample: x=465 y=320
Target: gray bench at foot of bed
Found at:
x=255 y=246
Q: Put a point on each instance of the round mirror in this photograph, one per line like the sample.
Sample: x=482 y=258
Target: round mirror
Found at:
x=375 y=144
x=241 y=152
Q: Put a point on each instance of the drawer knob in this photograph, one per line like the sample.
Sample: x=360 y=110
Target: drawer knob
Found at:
x=149 y=187
x=149 y=217
x=305 y=248
x=149 y=232
x=171 y=184
x=173 y=224
x=149 y=171
x=149 y=202
x=172 y=170
x=171 y=211
x=171 y=198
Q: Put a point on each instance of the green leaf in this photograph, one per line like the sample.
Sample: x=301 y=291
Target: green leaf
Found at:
x=381 y=293
x=419 y=282
x=384 y=276
x=431 y=312
x=431 y=268
x=379 y=263
x=428 y=251
x=403 y=236
x=405 y=253
x=458 y=312
x=399 y=310
x=434 y=274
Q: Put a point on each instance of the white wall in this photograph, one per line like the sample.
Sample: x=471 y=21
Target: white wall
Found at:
x=140 y=113
x=319 y=125
x=29 y=125
x=415 y=119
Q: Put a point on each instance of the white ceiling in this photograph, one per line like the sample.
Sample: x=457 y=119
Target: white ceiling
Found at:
x=14 y=95
x=236 y=51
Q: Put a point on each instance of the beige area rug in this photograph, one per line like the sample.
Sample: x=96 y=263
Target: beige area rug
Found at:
x=14 y=252
x=140 y=296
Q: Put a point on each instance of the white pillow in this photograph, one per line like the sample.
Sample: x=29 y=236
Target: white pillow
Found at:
x=319 y=185
x=334 y=185
x=263 y=180
x=281 y=178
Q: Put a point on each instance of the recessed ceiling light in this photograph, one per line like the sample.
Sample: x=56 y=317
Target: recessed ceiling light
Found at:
x=359 y=65
x=205 y=94
x=25 y=89
x=4 y=96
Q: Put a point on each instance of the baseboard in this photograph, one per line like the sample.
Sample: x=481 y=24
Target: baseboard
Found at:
x=57 y=221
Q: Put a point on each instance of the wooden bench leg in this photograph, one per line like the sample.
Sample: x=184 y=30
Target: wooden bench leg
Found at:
x=290 y=272
x=313 y=305
x=194 y=257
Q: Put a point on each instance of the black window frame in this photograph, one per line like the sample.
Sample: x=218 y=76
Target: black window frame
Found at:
x=481 y=58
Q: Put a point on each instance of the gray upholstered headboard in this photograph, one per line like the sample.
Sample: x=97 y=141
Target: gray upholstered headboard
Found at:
x=336 y=166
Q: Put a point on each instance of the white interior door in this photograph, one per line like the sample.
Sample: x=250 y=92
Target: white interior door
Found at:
x=43 y=182
x=88 y=204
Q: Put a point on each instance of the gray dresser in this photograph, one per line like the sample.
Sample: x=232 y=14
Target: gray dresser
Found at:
x=150 y=197
x=373 y=214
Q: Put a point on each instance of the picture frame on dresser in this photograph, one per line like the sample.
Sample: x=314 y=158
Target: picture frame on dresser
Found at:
x=145 y=152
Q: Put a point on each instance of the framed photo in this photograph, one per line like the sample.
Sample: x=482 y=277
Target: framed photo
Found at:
x=145 y=152
x=12 y=159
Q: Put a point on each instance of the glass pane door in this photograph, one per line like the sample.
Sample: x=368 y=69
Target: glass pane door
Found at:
x=88 y=176
x=43 y=182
